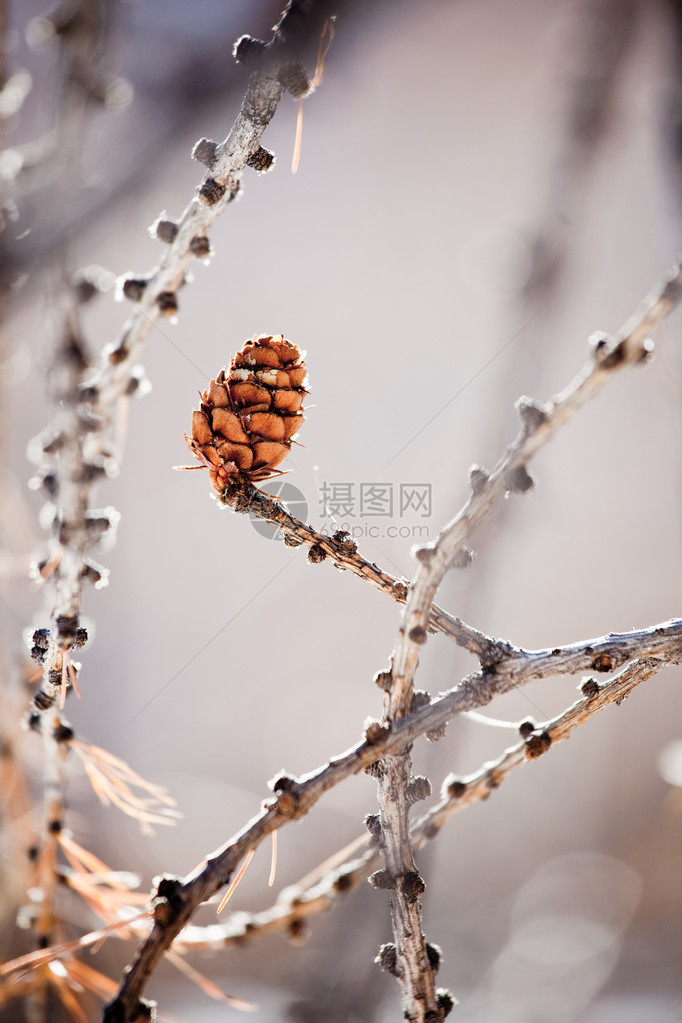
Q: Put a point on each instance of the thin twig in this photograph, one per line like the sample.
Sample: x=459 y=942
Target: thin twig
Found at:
x=629 y=346
x=342 y=551
x=176 y=899
x=348 y=869
x=75 y=453
x=408 y=957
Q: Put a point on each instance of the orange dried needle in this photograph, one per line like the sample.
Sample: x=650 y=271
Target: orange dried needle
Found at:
x=322 y=51
x=273 y=860
x=207 y=986
x=68 y=673
x=240 y=875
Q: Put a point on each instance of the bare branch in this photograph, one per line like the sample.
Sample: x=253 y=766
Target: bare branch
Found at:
x=349 y=868
x=629 y=346
x=176 y=900
x=342 y=551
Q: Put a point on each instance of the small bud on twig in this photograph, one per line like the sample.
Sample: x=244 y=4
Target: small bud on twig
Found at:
x=133 y=288
x=262 y=160
x=478 y=477
x=419 y=788
x=167 y=303
x=376 y=731
x=412 y=886
x=382 y=880
x=589 y=687
x=248 y=50
x=344 y=541
x=205 y=151
x=316 y=554
x=165 y=230
x=294 y=79
x=211 y=192
x=537 y=744
x=200 y=247
x=519 y=480
x=387 y=958
x=418 y=635
x=531 y=414
x=435 y=956
x=384 y=680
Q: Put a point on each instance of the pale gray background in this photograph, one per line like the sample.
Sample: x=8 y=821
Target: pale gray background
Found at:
x=394 y=258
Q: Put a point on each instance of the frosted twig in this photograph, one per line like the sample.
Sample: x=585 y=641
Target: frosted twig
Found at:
x=74 y=453
x=629 y=346
x=320 y=889
x=342 y=551
x=175 y=900
x=409 y=958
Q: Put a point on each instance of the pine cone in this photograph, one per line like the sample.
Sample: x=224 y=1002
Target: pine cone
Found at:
x=248 y=417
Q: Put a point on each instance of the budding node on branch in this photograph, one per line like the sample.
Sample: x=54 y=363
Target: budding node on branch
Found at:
x=589 y=687
x=531 y=413
x=418 y=635
x=606 y=355
x=248 y=50
x=387 y=958
x=373 y=825
x=343 y=881
x=167 y=303
x=381 y=879
x=211 y=192
x=537 y=744
x=345 y=543
x=262 y=160
x=412 y=886
x=420 y=698
x=298 y=931
x=463 y=558
x=435 y=955
x=376 y=731
x=63 y=732
x=446 y=1001
x=165 y=230
x=133 y=288
x=200 y=247
x=67 y=629
x=453 y=787
x=293 y=78
x=519 y=481
x=384 y=680
x=417 y=789
x=478 y=478
x=603 y=662
x=41 y=642
x=205 y=151
x=424 y=555
x=290 y=540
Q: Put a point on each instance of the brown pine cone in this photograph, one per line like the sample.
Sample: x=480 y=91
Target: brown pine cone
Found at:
x=249 y=416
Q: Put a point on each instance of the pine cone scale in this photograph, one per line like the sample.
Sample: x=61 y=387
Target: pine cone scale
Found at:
x=229 y=425
x=218 y=396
